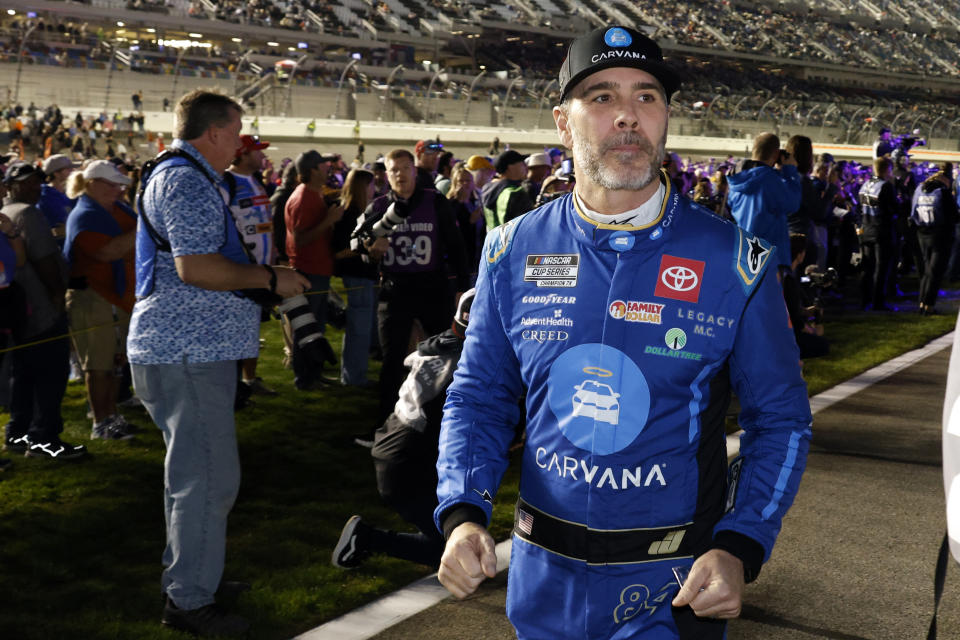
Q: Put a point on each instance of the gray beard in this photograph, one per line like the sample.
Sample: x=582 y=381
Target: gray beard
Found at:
x=594 y=162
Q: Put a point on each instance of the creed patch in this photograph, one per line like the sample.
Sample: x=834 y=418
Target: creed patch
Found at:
x=752 y=256
x=679 y=278
x=552 y=270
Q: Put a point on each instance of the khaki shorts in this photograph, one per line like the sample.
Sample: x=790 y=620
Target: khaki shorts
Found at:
x=97 y=349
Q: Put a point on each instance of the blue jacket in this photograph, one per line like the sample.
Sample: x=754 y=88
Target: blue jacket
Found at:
x=88 y=215
x=627 y=341
x=760 y=200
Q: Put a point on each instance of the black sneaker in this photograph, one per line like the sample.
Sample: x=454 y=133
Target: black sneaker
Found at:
x=110 y=429
x=56 y=449
x=229 y=591
x=17 y=445
x=350 y=550
x=206 y=621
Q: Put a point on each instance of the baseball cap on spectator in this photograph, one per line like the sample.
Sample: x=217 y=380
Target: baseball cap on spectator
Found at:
x=19 y=171
x=538 y=160
x=434 y=146
x=475 y=163
x=105 y=170
x=56 y=162
x=309 y=160
x=507 y=158
x=120 y=163
x=615 y=46
x=250 y=143
x=554 y=152
x=462 y=317
x=330 y=157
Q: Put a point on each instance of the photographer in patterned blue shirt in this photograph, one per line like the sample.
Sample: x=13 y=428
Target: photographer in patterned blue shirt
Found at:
x=189 y=327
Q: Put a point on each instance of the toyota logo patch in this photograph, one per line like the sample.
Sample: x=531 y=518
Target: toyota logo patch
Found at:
x=679 y=279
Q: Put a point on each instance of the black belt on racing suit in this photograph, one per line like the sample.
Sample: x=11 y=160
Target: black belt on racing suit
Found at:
x=608 y=546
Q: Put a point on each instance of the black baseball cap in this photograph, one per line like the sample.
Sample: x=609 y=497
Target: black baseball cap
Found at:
x=312 y=158
x=20 y=171
x=615 y=46
x=507 y=158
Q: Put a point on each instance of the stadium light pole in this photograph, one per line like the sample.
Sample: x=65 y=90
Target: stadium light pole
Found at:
x=950 y=128
x=473 y=83
x=436 y=74
x=823 y=123
x=506 y=99
x=543 y=96
x=893 y=124
x=346 y=70
x=386 y=96
x=23 y=44
x=846 y=140
x=783 y=117
x=736 y=107
x=932 y=126
x=176 y=75
x=764 y=106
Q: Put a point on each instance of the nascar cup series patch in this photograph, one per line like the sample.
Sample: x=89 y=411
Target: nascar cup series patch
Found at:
x=554 y=270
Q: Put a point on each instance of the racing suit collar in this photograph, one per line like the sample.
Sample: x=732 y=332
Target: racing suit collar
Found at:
x=625 y=237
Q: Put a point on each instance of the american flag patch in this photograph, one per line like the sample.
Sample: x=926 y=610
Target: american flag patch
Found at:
x=525 y=522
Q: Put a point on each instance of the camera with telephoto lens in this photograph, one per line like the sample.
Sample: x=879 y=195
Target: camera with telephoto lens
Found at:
x=311 y=349
x=370 y=230
x=821 y=279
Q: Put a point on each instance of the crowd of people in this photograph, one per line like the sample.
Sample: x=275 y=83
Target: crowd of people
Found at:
x=226 y=241
x=307 y=212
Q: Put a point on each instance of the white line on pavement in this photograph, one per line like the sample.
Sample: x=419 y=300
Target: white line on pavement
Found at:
x=371 y=619
x=846 y=389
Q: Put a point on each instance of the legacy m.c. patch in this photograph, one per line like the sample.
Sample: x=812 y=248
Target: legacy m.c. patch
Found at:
x=553 y=270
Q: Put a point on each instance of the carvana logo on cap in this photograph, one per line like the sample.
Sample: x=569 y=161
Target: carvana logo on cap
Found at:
x=617 y=37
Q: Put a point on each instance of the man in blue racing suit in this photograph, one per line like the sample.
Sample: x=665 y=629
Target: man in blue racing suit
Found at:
x=628 y=313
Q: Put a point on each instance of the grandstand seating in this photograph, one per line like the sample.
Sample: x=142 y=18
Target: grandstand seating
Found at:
x=868 y=34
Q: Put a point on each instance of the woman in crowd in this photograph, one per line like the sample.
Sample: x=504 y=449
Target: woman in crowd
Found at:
x=465 y=202
x=101 y=233
x=359 y=277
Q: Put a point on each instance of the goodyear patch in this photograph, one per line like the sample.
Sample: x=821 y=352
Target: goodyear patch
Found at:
x=753 y=256
x=552 y=270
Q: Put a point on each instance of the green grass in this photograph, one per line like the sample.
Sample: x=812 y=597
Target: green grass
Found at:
x=81 y=542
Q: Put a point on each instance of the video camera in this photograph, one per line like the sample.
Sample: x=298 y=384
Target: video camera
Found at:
x=822 y=279
x=905 y=142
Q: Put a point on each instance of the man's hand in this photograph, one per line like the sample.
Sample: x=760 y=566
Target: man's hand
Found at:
x=714 y=588
x=468 y=559
x=290 y=282
x=377 y=248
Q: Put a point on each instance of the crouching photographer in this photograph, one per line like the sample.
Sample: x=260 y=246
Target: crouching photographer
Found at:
x=802 y=296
